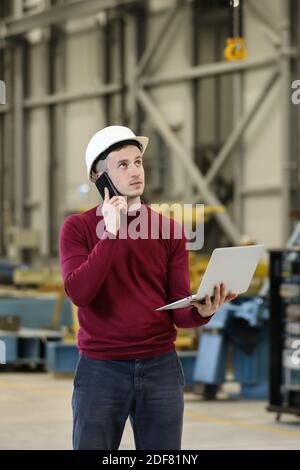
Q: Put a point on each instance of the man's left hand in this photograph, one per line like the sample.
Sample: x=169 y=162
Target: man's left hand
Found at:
x=220 y=298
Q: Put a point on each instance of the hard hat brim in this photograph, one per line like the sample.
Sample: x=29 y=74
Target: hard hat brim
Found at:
x=143 y=140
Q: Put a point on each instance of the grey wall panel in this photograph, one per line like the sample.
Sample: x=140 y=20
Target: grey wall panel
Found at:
x=82 y=60
x=82 y=121
x=38 y=172
x=174 y=101
x=37 y=152
x=259 y=215
x=262 y=167
x=84 y=118
x=263 y=137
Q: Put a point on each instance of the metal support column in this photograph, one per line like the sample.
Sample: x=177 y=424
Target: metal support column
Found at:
x=18 y=130
x=2 y=194
x=57 y=139
x=8 y=156
x=17 y=8
x=285 y=64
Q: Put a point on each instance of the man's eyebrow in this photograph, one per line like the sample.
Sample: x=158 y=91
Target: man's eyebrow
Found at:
x=125 y=160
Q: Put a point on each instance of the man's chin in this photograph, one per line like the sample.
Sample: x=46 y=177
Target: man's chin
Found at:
x=135 y=193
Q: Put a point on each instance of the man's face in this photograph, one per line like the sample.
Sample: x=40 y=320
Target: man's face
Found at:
x=125 y=168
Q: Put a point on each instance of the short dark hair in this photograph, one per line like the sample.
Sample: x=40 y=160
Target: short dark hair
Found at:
x=117 y=146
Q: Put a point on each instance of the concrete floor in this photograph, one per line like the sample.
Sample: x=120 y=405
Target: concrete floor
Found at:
x=36 y=414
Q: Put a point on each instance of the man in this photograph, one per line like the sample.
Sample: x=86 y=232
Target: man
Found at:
x=128 y=366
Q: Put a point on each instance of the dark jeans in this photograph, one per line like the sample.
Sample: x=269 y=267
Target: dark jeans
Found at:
x=149 y=391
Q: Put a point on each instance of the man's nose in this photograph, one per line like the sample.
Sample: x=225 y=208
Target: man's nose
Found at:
x=133 y=170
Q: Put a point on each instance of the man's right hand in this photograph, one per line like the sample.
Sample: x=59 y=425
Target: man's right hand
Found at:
x=111 y=210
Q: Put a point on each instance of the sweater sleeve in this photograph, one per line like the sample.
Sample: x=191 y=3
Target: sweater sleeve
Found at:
x=83 y=271
x=179 y=285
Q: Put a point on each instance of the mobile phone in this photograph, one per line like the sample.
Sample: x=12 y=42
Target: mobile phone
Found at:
x=104 y=181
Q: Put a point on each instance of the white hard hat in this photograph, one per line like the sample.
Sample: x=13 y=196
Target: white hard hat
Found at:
x=105 y=138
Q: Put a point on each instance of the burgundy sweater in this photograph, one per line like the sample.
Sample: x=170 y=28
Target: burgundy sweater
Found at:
x=118 y=283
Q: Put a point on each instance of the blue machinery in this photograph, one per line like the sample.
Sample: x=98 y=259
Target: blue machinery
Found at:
x=28 y=344
x=236 y=338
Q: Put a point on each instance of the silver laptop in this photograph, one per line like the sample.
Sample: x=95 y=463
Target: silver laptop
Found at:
x=233 y=266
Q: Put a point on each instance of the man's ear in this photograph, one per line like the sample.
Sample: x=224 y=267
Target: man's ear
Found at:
x=99 y=173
